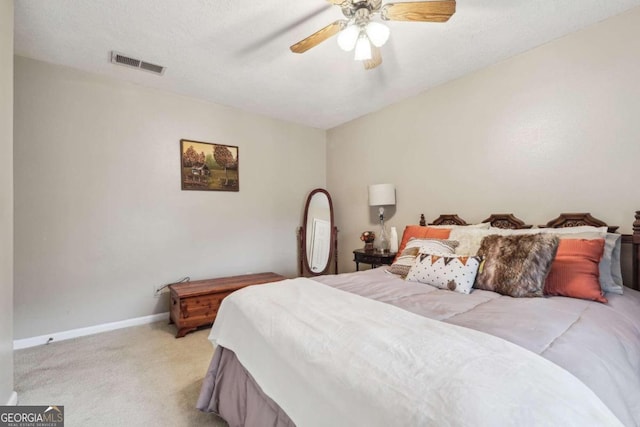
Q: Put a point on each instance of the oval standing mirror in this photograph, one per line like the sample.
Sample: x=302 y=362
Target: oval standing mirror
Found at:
x=318 y=235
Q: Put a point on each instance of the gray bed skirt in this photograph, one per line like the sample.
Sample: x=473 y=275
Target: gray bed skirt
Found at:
x=230 y=392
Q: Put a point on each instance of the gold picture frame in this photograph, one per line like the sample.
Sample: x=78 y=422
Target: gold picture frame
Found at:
x=209 y=167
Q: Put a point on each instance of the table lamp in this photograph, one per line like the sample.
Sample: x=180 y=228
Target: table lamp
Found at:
x=382 y=195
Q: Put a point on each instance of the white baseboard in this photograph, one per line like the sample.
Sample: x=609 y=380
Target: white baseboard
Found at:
x=90 y=330
x=13 y=400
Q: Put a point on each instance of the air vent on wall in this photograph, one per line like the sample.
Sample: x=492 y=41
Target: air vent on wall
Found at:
x=120 y=59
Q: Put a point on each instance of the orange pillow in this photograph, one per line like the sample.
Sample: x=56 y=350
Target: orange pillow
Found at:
x=574 y=272
x=421 y=232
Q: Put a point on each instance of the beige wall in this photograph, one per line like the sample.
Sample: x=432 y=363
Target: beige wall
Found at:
x=553 y=130
x=6 y=201
x=100 y=217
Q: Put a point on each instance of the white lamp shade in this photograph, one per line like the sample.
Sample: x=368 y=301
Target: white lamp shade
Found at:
x=348 y=37
x=363 y=48
x=378 y=33
x=382 y=195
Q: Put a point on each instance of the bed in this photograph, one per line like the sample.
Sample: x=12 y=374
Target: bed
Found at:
x=415 y=354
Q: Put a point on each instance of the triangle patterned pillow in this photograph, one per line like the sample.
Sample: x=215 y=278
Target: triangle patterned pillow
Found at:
x=403 y=262
x=446 y=271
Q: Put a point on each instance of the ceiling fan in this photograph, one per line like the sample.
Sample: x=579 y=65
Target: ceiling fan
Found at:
x=362 y=31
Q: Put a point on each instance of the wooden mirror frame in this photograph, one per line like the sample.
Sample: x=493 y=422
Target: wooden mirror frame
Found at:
x=304 y=266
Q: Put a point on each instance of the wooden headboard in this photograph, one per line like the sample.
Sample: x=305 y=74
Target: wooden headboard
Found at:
x=509 y=221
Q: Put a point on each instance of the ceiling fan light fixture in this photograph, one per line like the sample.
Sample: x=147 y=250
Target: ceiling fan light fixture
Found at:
x=348 y=37
x=378 y=33
x=357 y=31
x=363 y=48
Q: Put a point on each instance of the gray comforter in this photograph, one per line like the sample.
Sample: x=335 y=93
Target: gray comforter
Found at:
x=597 y=343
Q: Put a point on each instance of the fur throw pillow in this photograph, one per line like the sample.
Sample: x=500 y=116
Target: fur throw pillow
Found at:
x=516 y=265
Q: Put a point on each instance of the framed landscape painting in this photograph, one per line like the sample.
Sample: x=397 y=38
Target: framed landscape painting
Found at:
x=209 y=167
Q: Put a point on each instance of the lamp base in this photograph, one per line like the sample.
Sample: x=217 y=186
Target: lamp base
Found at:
x=382 y=240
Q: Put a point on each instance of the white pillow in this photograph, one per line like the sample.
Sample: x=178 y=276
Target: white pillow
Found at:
x=514 y=232
x=481 y=226
x=445 y=271
x=575 y=230
x=470 y=239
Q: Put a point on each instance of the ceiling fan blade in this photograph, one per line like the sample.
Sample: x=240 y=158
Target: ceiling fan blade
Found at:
x=319 y=36
x=376 y=59
x=429 y=11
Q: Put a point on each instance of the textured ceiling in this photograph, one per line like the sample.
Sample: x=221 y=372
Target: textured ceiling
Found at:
x=236 y=52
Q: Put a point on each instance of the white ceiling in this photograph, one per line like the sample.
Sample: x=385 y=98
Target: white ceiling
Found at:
x=236 y=52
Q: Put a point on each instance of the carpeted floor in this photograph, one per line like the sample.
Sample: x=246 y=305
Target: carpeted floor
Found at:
x=138 y=376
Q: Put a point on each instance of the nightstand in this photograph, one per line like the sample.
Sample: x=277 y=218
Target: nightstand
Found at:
x=375 y=259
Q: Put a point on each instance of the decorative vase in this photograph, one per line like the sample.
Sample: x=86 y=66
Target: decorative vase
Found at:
x=368 y=237
x=393 y=240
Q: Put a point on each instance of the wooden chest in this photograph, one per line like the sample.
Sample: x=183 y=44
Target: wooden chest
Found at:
x=195 y=304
